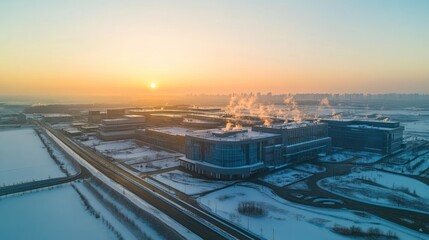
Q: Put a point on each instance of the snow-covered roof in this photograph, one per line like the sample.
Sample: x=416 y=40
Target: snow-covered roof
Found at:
x=222 y=135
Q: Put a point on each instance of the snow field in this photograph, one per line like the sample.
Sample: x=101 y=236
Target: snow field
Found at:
x=187 y=184
x=285 y=177
x=380 y=188
x=286 y=220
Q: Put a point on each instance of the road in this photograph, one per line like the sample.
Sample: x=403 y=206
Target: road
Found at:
x=201 y=222
x=28 y=186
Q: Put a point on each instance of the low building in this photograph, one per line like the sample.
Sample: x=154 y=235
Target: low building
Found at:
x=72 y=131
x=89 y=128
x=57 y=118
x=300 y=140
x=229 y=154
x=373 y=136
x=172 y=138
x=120 y=128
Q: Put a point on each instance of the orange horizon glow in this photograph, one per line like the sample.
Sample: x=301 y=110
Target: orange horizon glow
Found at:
x=121 y=49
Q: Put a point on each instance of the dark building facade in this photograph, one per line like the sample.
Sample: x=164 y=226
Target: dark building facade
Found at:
x=373 y=136
x=172 y=138
x=300 y=140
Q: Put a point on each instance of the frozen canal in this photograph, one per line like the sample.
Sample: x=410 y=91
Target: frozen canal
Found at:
x=24 y=158
x=49 y=214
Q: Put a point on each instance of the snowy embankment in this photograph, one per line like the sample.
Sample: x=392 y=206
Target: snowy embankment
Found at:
x=129 y=195
x=24 y=158
x=380 y=188
x=280 y=219
x=285 y=177
x=187 y=184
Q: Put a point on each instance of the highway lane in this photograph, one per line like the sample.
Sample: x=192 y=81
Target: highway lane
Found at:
x=185 y=214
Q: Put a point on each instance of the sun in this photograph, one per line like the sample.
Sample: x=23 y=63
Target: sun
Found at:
x=153 y=85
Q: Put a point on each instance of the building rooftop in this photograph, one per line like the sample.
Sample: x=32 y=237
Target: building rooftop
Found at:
x=291 y=125
x=173 y=130
x=375 y=124
x=56 y=115
x=231 y=135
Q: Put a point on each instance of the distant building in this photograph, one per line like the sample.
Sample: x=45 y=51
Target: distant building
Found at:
x=373 y=136
x=120 y=128
x=299 y=140
x=115 y=113
x=57 y=118
x=229 y=154
x=95 y=116
x=172 y=138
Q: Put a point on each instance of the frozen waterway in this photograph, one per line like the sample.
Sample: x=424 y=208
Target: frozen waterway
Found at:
x=24 y=158
x=49 y=214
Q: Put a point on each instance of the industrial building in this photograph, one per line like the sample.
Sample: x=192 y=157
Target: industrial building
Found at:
x=120 y=128
x=373 y=136
x=229 y=154
x=172 y=138
x=300 y=140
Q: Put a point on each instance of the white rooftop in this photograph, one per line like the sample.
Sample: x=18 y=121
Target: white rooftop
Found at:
x=173 y=130
x=291 y=125
x=239 y=136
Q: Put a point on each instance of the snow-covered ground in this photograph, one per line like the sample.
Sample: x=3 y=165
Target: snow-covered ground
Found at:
x=412 y=161
x=365 y=157
x=143 y=226
x=414 y=167
x=50 y=214
x=187 y=184
x=64 y=160
x=417 y=129
x=24 y=158
x=127 y=151
x=336 y=157
x=286 y=220
x=380 y=188
x=311 y=168
x=156 y=165
x=285 y=177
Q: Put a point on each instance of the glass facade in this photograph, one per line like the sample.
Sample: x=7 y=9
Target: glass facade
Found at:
x=224 y=154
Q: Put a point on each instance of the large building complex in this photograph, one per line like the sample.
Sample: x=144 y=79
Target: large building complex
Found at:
x=229 y=154
x=120 y=128
x=374 y=136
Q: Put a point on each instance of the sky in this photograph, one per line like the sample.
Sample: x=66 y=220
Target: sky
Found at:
x=121 y=48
